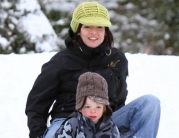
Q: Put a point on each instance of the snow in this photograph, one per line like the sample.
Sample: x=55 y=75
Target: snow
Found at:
x=3 y=42
x=36 y=26
x=148 y=74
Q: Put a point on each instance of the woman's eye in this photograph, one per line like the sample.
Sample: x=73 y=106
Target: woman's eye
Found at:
x=86 y=27
x=100 y=27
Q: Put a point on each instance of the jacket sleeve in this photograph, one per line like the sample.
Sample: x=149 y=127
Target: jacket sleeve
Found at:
x=64 y=131
x=114 y=68
x=41 y=97
x=68 y=128
x=115 y=132
x=121 y=70
x=122 y=91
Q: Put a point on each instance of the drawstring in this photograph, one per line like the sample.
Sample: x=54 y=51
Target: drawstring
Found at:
x=107 y=54
x=78 y=46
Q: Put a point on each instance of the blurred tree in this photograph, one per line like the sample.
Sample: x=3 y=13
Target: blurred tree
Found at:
x=137 y=31
x=150 y=27
x=147 y=26
x=136 y=26
x=168 y=14
x=58 y=19
x=9 y=32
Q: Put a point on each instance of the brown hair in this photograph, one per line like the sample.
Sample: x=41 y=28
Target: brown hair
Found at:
x=104 y=110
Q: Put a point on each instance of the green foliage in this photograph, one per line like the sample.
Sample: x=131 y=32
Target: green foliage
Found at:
x=170 y=16
x=146 y=25
x=8 y=30
x=54 y=16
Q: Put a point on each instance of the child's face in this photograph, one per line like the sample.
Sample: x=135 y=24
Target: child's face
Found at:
x=92 y=110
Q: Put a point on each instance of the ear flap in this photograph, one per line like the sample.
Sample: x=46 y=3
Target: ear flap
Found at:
x=108 y=111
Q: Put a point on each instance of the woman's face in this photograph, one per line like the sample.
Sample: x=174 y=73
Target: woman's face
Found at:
x=92 y=110
x=92 y=36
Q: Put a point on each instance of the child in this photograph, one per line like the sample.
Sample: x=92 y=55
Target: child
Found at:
x=93 y=116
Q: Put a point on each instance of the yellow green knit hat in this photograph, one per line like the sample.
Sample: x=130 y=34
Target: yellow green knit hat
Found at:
x=90 y=13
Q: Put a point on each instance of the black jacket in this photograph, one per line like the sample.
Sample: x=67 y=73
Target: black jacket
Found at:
x=78 y=126
x=59 y=77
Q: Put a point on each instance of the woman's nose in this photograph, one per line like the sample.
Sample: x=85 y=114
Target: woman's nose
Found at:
x=93 y=30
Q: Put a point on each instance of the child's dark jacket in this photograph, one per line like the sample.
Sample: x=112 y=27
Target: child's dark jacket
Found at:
x=78 y=126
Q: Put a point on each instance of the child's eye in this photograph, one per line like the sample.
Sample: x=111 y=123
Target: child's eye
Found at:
x=99 y=107
x=86 y=106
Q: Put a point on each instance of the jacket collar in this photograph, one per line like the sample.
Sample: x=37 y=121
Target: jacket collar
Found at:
x=88 y=123
x=85 y=51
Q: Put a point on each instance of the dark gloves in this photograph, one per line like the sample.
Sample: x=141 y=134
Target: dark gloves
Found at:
x=37 y=133
x=33 y=135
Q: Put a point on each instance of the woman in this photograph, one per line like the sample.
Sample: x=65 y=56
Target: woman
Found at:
x=93 y=116
x=89 y=48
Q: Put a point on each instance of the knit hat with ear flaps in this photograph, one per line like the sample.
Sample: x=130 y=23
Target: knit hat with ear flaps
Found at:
x=95 y=87
x=90 y=13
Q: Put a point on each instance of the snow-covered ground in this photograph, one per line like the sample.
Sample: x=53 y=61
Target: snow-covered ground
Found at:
x=157 y=75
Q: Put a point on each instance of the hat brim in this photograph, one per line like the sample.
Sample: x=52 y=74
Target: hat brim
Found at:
x=108 y=111
x=80 y=102
x=95 y=21
x=99 y=100
x=102 y=101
